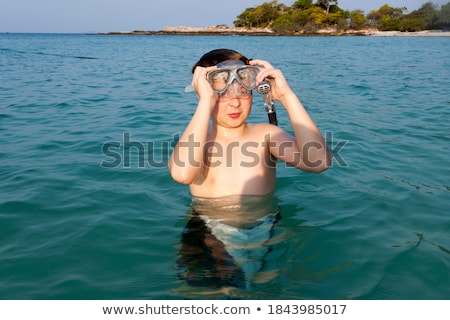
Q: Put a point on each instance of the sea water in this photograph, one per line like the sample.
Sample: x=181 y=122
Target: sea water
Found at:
x=88 y=209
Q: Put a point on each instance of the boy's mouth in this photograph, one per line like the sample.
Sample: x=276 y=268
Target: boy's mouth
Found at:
x=234 y=115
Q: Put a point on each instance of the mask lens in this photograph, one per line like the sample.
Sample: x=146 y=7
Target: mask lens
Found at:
x=219 y=79
x=247 y=77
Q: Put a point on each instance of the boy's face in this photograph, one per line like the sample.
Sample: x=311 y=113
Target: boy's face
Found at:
x=233 y=108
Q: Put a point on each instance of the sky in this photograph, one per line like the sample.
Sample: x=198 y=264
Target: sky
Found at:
x=85 y=16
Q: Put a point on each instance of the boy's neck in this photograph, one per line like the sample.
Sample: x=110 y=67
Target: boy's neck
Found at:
x=229 y=133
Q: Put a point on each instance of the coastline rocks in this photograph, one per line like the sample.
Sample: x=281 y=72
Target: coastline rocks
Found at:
x=210 y=30
x=225 y=30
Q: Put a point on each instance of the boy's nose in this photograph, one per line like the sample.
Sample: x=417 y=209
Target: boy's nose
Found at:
x=234 y=102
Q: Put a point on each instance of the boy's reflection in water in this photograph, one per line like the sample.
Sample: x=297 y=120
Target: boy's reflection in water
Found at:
x=226 y=241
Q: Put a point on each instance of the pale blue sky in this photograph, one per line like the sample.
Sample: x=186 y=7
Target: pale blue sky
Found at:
x=74 y=16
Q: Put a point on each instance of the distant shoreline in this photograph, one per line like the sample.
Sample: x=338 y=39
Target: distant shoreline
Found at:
x=225 y=31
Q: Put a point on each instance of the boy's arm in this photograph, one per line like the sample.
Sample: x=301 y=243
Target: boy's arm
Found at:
x=312 y=149
x=308 y=150
x=186 y=161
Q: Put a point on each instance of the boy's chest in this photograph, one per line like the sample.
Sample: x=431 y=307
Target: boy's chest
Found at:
x=235 y=155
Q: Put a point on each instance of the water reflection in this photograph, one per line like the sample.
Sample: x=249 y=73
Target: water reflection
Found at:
x=227 y=242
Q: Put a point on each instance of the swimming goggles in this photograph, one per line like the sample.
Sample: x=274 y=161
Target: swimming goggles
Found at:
x=230 y=70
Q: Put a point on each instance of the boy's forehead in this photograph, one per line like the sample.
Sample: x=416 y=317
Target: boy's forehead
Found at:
x=230 y=64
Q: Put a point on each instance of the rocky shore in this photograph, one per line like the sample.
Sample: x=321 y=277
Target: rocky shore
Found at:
x=212 y=30
x=225 y=30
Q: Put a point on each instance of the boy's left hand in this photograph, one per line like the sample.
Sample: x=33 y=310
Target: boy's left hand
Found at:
x=277 y=80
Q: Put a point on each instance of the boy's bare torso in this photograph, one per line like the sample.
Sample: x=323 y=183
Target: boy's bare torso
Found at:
x=236 y=164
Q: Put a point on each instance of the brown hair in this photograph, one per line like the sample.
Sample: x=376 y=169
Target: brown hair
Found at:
x=218 y=55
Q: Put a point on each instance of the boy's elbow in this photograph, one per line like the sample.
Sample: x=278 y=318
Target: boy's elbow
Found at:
x=180 y=176
x=323 y=162
x=315 y=169
x=320 y=165
x=320 y=168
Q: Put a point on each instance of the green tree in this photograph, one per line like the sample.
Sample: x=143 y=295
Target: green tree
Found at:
x=302 y=4
x=317 y=16
x=425 y=18
x=357 y=20
x=386 y=18
x=261 y=16
x=301 y=18
x=444 y=17
x=389 y=23
x=284 y=24
x=246 y=19
x=327 y=4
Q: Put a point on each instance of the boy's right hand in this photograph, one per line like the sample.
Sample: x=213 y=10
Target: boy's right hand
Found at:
x=201 y=84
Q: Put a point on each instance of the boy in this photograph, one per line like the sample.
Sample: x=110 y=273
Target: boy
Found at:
x=230 y=167
x=230 y=156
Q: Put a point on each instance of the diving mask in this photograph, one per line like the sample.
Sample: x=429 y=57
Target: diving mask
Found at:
x=230 y=70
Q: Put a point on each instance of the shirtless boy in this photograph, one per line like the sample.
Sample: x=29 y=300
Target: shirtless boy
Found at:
x=220 y=154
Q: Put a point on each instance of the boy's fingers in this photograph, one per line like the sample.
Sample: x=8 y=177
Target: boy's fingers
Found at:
x=262 y=63
x=266 y=74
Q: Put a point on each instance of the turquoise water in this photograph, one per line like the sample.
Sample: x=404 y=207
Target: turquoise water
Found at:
x=81 y=223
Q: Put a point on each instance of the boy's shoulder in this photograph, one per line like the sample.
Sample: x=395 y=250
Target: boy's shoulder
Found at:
x=260 y=126
x=263 y=128
x=264 y=132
